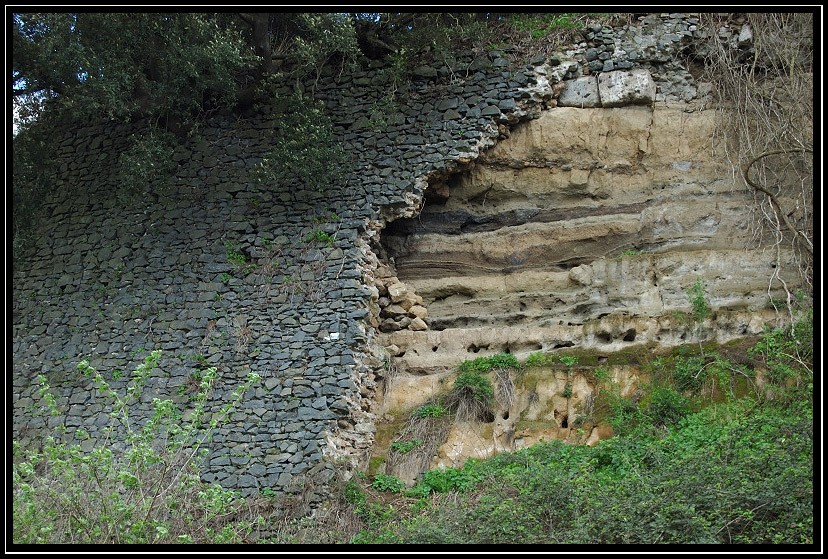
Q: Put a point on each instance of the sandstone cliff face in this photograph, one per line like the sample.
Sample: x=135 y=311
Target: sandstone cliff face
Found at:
x=585 y=229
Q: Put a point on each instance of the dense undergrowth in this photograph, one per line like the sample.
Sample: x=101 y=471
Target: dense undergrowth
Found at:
x=737 y=472
x=719 y=450
x=683 y=470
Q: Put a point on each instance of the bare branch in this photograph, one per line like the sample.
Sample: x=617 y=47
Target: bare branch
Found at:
x=765 y=90
x=746 y=174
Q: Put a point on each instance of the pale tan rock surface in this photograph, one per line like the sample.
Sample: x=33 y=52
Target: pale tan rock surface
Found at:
x=585 y=229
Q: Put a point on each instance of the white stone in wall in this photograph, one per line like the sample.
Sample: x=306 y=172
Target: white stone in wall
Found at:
x=581 y=93
x=620 y=88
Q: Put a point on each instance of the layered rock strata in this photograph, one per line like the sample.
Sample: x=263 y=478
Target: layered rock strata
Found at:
x=586 y=229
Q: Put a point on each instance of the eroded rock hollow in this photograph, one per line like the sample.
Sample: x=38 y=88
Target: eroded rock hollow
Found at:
x=586 y=228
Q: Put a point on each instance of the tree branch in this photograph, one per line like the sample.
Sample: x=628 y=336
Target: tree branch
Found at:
x=260 y=28
x=34 y=89
x=746 y=174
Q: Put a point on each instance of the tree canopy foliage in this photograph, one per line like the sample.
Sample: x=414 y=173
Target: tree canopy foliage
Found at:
x=125 y=65
x=176 y=65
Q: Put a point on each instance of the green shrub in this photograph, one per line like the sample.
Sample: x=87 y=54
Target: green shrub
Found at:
x=234 y=255
x=353 y=493
x=385 y=482
x=538 y=359
x=147 y=491
x=486 y=364
x=472 y=397
x=387 y=536
x=541 y=25
x=147 y=163
x=787 y=352
x=443 y=480
x=404 y=447
x=323 y=37
x=667 y=406
x=474 y=386
x=698 y=301
x=319 y=236
x=601 y=374
x=568 y=360
x=304 y=152
x=430 y=410
x=500 y=519
x=238 y=259
x=624 y=413
x=419 y=491
x=689 y=373
x=439 y=527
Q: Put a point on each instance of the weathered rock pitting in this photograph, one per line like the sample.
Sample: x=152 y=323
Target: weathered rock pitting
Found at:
x=583 y=220
x=585 y=229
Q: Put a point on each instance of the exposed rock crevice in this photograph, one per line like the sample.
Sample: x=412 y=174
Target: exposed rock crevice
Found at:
x=585 y=229
x=576 y=242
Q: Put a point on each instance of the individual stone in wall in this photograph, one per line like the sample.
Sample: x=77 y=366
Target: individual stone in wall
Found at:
x=620 y=88
x=581 y=92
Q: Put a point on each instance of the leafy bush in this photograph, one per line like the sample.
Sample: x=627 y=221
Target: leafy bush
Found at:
x=443 y=480
x=324 y=36
x=472 y=397
x=305 y=153
x=404 y=447
x=147 y=491
x=625 y=415
x=667 y=406
x=474 y=386
x=320 y=236
x=147 y=164
x=353 y=493
x=385 y=482
x=501 y=519
x=430 y=410
x=699 y=304
x=787 y=352
x=601 y=374
x=387 y=536
x=540 y=25
x=689 y=373
x=376 y=516
x=568 y=360
x=234 y=256
x=538 y=359
x=486 y=364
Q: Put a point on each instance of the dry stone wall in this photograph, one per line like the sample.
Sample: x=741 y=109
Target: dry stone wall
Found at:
x=110 y=280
